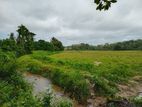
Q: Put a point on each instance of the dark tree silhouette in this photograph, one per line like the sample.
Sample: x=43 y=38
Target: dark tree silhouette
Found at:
x=43 y=45
x=104 y=4
x=58 y=46
x=25 y=40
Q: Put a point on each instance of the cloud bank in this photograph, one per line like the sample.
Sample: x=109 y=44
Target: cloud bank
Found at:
x=73 y=21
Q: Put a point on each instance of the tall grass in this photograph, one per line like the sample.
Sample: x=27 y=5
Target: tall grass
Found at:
x=14 y=91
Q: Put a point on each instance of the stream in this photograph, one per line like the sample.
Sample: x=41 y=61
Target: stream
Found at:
x=41 y=84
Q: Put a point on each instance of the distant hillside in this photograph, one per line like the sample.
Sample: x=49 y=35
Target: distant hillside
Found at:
x=125 y=45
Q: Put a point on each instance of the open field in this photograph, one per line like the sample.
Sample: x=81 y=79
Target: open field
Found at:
x=85 y=74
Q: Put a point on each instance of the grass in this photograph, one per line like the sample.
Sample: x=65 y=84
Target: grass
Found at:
x=16 y=92
x=74 y=71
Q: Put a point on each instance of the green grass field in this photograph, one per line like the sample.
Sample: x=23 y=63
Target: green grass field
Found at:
x=77 y=71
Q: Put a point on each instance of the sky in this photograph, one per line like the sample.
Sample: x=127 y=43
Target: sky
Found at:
x=73 y=21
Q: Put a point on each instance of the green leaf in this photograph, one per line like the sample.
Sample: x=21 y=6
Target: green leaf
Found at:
x=100 y=6
x=97 y=1
x=113 y=1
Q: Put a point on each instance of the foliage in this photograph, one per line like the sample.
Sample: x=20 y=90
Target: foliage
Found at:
x=125 y=45
x=25 y=39
x=104 y=87
x=51 y=100
x=72 y=82
x=104 y=4
x=61 y=102
x=74 y=70
x=8 y=45
x=47 y=98
x=43 y=45
x=81 y=46
x=11 y=80
x=115 y=67
x=25 y=44
x=138 y=101
x=57 y=44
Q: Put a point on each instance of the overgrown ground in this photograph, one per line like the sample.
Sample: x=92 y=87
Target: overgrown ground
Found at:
x=16 y=92
x=84 y=73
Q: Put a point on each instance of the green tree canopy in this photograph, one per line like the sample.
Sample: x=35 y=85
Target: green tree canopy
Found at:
x=25 y=39
x=43 y=45
x=58 y=46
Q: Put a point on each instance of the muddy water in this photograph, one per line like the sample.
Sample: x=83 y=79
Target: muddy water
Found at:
x=41 y=84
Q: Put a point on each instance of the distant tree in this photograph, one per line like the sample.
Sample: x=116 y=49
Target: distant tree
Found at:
x=117 y=46
x=104 y=4
x=125 y=45
x=58 y=46
x=11 y=37
x=8 y=44
x=12 y=42
x=25 y=40
x=81 y=46
x=0 y=44
x=43 y=45
x=5 y=46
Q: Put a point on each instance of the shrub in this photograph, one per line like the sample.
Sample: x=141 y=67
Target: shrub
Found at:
x=14 y=91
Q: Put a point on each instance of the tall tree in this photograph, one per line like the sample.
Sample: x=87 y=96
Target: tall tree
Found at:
x=11 y=37
x=58 y=46
x=12 y=42
x=25 y=40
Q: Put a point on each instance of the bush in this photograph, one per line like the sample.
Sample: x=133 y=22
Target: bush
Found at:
x=14 y=91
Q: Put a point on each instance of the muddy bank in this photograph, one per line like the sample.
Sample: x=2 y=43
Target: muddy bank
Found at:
x=41 y=84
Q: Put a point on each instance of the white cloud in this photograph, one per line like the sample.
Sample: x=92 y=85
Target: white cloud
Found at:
x=73 y=21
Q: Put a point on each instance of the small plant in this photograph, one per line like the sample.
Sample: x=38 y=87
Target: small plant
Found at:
x=138 y=101
x=61 y=102
x=51 y=100
x=47 y=98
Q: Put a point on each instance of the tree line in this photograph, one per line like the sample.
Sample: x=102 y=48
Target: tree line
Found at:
x=24 y=43
x=125 y=45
